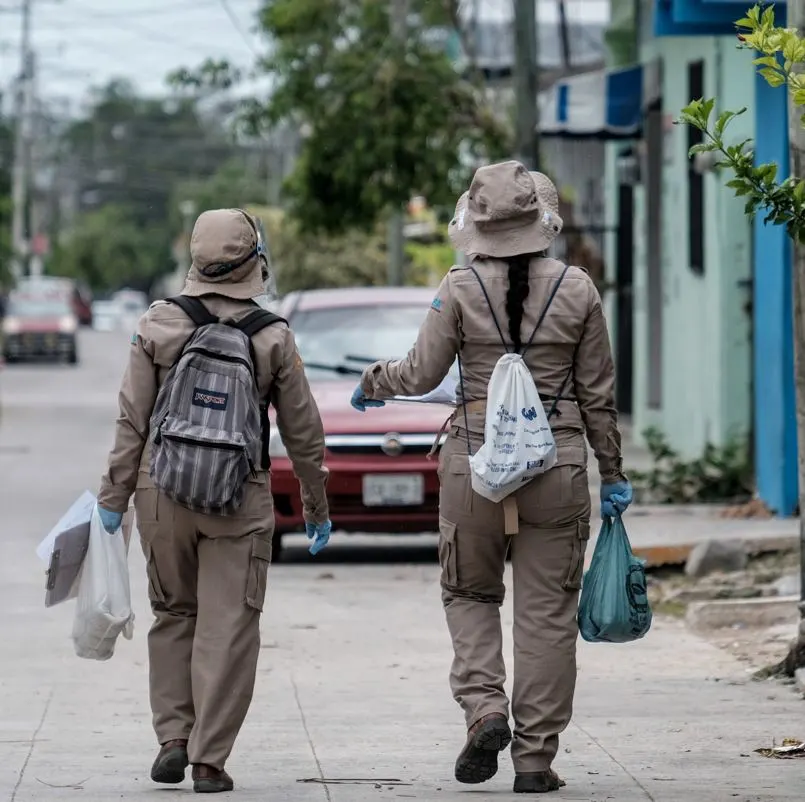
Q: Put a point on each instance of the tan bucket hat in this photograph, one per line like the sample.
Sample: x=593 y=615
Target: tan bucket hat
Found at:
x=226 y=257
x=507 y=211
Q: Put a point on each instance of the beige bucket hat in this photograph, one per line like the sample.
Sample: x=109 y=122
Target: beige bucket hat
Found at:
x=226 y=256
x=507 y=211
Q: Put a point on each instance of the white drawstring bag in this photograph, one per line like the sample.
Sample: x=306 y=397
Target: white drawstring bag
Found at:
x=518 y=441
x=103 y=607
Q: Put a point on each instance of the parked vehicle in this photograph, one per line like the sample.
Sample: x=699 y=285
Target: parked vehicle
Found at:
x=107 y=316
x=78 y=295
x=81 y=299
x=380 y=477
x=40 y=323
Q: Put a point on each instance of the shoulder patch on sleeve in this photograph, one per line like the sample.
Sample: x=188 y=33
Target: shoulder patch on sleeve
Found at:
x=436 y=304
x=134 y=338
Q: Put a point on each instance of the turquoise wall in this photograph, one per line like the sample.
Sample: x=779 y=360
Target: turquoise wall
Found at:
x=706 y=354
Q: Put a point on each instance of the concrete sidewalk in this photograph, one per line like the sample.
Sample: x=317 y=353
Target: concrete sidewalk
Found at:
x=353 y=687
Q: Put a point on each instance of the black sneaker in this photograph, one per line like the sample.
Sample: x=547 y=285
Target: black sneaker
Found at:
x=171 y=762
x=478 y=761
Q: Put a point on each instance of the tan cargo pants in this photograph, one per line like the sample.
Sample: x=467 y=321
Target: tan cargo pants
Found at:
x=206 y=583
x=547 y=562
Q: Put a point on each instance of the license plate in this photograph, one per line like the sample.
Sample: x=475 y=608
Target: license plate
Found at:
x=393 y=490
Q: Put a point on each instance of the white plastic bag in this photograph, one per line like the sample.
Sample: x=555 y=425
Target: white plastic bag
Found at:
x=518 y=441
x=103 y=608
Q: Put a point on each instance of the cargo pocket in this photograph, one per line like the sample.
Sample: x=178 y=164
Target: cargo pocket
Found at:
x=258 y=572
x=156 y=593
x=448 y=557
x=580 y=539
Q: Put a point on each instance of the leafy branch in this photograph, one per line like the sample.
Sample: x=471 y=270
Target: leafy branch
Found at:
x=783 y=201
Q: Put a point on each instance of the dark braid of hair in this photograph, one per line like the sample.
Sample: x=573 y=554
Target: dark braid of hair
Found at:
x=517 y=294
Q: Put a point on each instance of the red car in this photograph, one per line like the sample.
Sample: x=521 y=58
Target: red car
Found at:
x=380 y=477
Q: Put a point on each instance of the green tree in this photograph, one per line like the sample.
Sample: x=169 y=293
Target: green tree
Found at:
x=131 y=160
x=109 y=249
x=382 y=119
x=782 y=201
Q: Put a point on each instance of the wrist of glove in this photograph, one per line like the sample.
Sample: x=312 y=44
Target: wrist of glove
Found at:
x=111 y=521
x=615 y=498
x=319 y=534
x=359 y=400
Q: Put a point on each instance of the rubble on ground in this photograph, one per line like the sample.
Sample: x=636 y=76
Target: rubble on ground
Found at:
x=771 y=576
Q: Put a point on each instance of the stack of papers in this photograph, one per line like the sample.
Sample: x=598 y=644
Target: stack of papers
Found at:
x=445 y=393
x=64 y=549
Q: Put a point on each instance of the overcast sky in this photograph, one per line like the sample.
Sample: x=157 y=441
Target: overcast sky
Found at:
x=81 y=43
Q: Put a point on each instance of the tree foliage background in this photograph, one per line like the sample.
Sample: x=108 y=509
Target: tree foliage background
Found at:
x=128 y=163
x=377 y=121
x=382 y=119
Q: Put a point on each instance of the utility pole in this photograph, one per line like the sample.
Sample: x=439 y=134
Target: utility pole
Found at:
x=796 y=144
x=21 y=176
x=564 y=34
x=398 y=15
x=526 y=83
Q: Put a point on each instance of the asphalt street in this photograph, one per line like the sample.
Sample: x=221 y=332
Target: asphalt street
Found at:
x=352 y=700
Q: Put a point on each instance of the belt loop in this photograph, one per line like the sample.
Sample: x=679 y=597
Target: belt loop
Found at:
x=511 y=515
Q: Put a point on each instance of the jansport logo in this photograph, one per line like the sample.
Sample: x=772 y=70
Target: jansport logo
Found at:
x=209 y=399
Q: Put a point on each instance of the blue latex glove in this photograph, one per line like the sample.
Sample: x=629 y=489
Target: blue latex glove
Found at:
x=615 y=498
x=360 y=401
x=112 y=521
x=319 y=534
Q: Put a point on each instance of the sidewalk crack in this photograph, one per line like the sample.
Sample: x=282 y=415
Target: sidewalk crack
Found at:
x=34 y=738
x=616 y=761
x=307 y=735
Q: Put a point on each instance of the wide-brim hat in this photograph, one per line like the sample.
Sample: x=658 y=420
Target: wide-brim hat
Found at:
x=226 y=256
x=507 y=211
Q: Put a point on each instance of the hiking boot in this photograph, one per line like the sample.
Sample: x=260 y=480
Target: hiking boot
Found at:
x=478 y=761
x=537 y=782
x=171 y=762
x=207 y=780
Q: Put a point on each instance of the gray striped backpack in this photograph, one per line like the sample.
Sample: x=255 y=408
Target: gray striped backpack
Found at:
x=209 y=427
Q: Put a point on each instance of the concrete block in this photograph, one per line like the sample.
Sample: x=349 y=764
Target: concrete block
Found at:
x=787 y=585
x=767 y=612
x=716 y=555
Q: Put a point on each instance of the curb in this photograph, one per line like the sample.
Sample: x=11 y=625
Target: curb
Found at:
x=657 y=556
x=769 y=612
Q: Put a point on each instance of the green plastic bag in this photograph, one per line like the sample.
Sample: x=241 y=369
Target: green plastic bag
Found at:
x=614 y=606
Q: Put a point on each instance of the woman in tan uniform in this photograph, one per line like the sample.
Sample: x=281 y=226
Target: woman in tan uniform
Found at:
x=504 y=224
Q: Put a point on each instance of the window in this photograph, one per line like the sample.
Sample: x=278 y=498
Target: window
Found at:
x=348 y=336
x=695 y=179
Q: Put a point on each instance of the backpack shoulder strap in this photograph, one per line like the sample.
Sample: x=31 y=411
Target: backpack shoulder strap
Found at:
x=491 y=310
x=250 y=324
x=194 y=308
x=256 y=321
x=546 y=307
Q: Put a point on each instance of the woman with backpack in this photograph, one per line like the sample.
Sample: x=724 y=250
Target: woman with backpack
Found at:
x=510 y=298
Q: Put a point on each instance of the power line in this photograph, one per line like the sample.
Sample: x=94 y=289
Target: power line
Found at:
x=236 y=24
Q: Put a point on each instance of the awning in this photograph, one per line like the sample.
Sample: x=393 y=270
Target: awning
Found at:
x=703 y=17
x=605 y=104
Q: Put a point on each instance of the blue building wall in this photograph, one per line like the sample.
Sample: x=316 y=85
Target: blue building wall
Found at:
x=775 y=412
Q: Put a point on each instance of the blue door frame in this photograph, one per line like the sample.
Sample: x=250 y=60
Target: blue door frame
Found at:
x=775 y=406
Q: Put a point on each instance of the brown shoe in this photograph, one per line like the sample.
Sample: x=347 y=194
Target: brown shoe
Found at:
x=207 y=780
x=171 y=762
x=478 y=761
x=537 y=782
